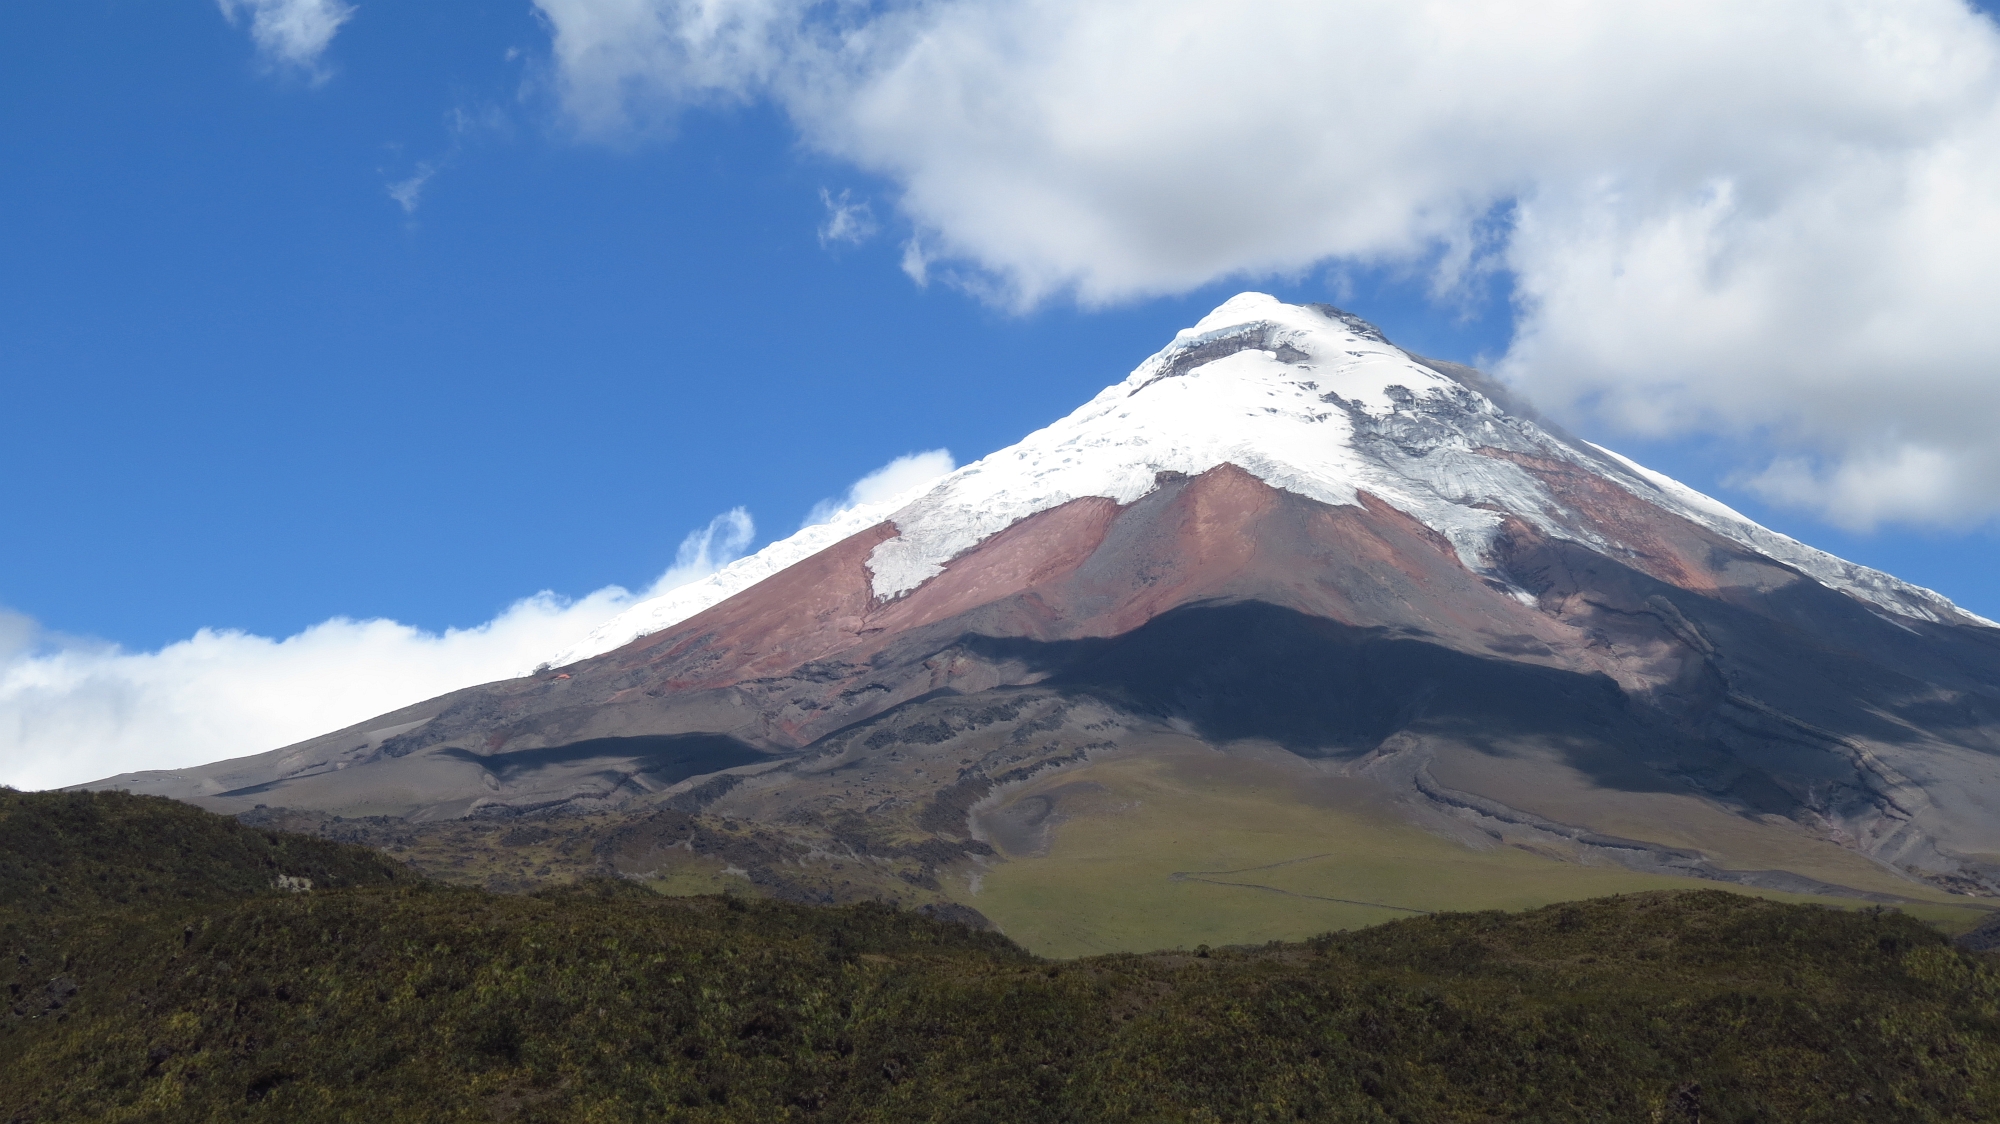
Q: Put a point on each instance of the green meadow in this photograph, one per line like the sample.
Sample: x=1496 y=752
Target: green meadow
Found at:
x=1179 y=849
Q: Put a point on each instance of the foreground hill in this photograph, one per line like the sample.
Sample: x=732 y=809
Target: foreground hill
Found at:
x=66 y=854
x=1429 y=650
x=218 y=997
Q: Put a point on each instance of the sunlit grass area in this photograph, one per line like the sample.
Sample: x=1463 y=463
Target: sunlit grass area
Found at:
x=1179 y=849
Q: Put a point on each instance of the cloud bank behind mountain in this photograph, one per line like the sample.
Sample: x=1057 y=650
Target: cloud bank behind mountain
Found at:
x=73 y=709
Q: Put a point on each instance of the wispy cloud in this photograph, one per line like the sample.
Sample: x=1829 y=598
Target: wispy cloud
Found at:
x=461 y=123
x=891 y=480
x=290 y=32
x=73 y=710
x=705 y=551
x=846 y=220
x=916 y=262
x=617 y=61
x=409 y=192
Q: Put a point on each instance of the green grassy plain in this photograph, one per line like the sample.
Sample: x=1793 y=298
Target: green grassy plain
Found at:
x=1183 y=848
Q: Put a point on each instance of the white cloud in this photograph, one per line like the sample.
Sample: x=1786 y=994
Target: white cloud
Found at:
x=409 y=192
x=1846 y=319
x=619 y=59
x=463 y=123
x=1759 y=217
x=73 y=711
x=705 y=551
x=891 y=480
x=290 y=32
x=846 y=220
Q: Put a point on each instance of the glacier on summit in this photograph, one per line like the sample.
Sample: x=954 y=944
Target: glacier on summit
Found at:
x=1306 y=398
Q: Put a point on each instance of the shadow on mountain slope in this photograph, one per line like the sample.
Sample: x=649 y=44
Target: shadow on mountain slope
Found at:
x=1323 y=689
x=665 y=758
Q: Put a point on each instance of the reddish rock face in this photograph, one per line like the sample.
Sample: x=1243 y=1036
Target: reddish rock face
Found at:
x=1086 y=569
x=1643 y=537
x=812 y=649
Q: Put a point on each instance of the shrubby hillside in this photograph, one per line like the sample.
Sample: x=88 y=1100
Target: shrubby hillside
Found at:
x=156 y=972
x=90 y=851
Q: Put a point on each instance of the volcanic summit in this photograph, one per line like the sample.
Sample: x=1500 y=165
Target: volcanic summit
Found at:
x=1283 y=570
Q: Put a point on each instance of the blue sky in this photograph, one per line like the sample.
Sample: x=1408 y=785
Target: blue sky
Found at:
x=250 y=391
x=249 y=388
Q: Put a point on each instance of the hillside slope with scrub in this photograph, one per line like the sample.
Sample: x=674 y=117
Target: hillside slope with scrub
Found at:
x=169 y=978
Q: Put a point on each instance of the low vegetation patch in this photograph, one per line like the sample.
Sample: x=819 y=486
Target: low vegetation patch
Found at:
x=177 y=981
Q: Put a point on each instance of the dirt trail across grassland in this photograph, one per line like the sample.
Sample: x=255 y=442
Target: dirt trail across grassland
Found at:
x=1203 y=876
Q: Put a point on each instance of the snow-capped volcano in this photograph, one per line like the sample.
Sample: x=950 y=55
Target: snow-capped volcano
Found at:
x=1305 y=398
x=1280 y=532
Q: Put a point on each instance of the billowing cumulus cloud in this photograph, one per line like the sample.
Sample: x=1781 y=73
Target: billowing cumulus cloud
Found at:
x=73 y=710
x=1770 y=218
x=291 y=32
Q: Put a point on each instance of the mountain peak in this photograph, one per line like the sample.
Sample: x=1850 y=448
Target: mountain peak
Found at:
x=1285 y=392
x=1310 y=399
x=1281 y=534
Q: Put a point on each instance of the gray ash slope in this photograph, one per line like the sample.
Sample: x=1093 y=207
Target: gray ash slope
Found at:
x=1395 y=572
